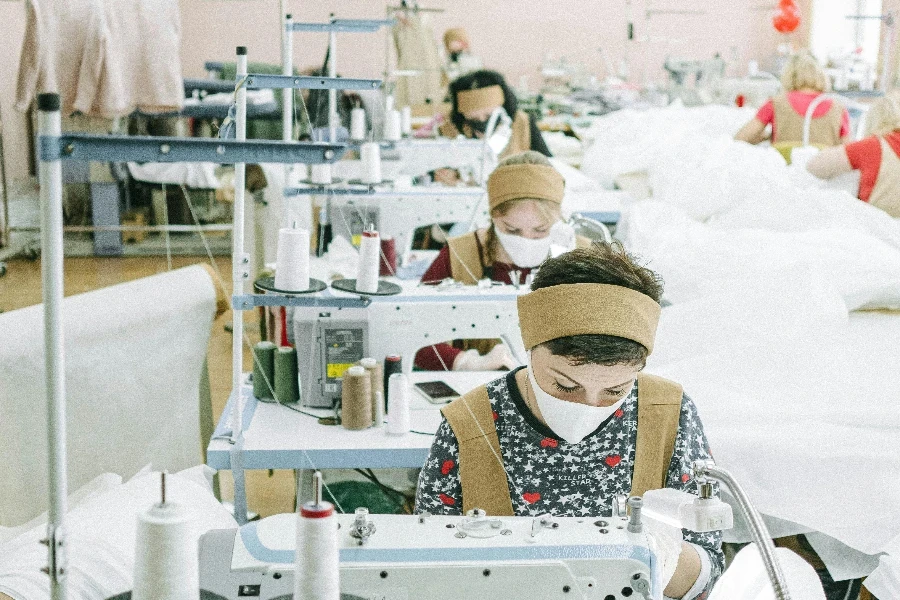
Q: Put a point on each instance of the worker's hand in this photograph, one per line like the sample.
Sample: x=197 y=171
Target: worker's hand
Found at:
x=686 y=572
x=497 y=359
x=447 y=176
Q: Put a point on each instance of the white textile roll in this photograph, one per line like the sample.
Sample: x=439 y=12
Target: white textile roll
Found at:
x=316 y=562
x=166 y=557
x=369 y=255
x=371 y=161
x=358 y=124
x=292 y=266
x=406 y=120
x=393 y=130
x=320 y=173
x=398 y=405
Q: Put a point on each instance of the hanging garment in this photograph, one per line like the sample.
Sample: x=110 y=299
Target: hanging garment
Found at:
x=417 y=50
x=106 y=58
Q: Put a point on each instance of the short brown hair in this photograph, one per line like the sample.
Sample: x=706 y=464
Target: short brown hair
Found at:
x=599 y=263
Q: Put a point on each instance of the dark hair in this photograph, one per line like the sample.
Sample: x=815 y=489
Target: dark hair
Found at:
x=599 y=263
x=475 y=81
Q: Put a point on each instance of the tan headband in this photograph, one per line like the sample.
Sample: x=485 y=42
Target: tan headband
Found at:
x=587 y=308
x=456 y=34
x=515 y=182
x=480 y=99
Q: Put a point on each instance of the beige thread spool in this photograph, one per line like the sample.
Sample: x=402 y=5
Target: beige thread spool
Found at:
x=356 y=399
x=376 y=372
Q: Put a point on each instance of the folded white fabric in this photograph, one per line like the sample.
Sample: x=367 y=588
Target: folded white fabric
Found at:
x=884 y=582
x=746 y=578
x=101 y=535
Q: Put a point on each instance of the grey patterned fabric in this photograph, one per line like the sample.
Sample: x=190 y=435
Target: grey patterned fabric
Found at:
x=549 y=475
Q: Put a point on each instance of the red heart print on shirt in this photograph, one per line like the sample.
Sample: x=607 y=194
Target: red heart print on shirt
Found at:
x=612 y=461
x=549 y=443
x=447 y=467
x=531 y=497
x=447 y=500
x=619 y=413
x=495 y=415
x=685 y=478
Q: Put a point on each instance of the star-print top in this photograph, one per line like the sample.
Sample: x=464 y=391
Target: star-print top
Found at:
x=548 y=475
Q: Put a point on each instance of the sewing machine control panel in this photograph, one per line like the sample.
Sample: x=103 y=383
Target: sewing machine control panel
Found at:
x=399 y=557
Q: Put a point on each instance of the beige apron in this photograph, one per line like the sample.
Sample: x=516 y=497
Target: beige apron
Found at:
x=483 y=476
x=824 y=131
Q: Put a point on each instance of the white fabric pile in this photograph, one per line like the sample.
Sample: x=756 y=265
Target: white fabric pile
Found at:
x=101 y=528
x=630 y=140
x=763 y=265
x=134 y=355
x=724 y=210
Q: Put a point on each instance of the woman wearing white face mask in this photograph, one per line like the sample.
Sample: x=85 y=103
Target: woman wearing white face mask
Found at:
x=580 y=424
x=525 y=196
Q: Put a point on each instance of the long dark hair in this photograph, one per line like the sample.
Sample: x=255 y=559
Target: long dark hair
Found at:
x=475 y=81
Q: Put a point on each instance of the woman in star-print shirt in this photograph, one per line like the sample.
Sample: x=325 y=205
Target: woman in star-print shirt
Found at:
x=548 y=474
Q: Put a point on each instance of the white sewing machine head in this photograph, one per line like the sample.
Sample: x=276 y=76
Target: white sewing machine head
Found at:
x=398 y=213
x=396 y=557
x=333 y=339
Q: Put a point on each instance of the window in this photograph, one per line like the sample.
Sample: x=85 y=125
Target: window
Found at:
x=837 y=39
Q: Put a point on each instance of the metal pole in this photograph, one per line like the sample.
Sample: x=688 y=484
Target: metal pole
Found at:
x=287 y=114
x=332 y=94
x=240 y=270
x=758 y=529
x=240 y=262
x=50 y=172
x=889 y=24
x=287 y=68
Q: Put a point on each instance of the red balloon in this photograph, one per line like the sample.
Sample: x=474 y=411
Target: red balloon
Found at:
x=787 y=19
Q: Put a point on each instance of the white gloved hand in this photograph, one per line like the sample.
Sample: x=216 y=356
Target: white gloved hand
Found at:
x=666 y=544
x=498 y=358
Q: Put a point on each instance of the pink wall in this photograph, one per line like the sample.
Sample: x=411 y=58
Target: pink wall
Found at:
x=510 y=36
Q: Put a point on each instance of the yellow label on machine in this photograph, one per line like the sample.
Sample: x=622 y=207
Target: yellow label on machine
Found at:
x=336 y=370
x=357 y=240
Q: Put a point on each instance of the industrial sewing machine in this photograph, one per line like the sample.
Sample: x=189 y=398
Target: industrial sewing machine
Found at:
x=420 y=316
x=430 y=557
x=398 y=213
x=690 y=80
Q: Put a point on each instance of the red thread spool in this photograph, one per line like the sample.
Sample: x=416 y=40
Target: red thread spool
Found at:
x=388 y=262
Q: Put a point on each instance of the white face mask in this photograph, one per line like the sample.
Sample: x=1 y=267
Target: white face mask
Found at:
x=572 y=421
x=525 y=252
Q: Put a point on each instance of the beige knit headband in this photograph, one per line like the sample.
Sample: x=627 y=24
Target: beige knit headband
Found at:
x=480 y=99
x=587 y=308
x=518 y=181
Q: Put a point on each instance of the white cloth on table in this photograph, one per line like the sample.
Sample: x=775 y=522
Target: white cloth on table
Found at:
x=133 y=359
x=884 y=582
x=101 y=527
x=195 y=175
x=746 y=578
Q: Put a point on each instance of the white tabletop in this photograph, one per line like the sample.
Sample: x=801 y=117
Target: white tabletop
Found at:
x=277 y=437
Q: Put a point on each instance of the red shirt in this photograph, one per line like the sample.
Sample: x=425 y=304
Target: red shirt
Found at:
x=441 y=356
x=800 y=102
x=865 y=157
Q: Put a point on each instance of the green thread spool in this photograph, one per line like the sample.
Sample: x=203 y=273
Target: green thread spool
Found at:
x=287 y=384
x=264 y=370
